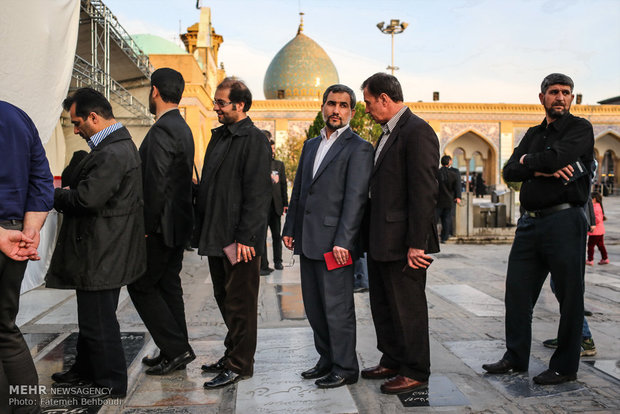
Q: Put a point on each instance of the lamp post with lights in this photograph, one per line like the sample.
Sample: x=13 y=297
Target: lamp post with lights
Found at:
x=395 y=27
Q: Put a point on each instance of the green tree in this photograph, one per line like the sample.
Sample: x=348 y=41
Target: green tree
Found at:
x=315 y=128
x=363 y=125
x=289 y=153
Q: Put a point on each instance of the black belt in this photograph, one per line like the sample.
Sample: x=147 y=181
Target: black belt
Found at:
x=548 y=211
x=10 y=222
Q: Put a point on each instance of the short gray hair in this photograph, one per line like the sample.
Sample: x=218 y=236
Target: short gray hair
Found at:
x=556 y=79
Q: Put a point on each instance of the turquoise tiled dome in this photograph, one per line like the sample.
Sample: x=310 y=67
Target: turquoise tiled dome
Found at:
x=301 y=70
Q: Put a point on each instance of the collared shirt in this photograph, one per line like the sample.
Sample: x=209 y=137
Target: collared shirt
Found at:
x=101 y=135
x=550 y=147
x=26 y=183
x=387 y=128
x=325 y=145
x=166 y=111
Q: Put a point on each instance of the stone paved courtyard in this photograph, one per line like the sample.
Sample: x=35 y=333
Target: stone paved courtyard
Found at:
x=465 y=291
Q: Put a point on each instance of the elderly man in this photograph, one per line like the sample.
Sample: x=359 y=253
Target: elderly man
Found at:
x=325 y=214
x=233 y=203
x=101 y=245
x=403 y=195
x=553 y=161
x=26 y=194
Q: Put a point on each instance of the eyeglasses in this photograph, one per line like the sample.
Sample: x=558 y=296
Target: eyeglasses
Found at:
x=221 y=103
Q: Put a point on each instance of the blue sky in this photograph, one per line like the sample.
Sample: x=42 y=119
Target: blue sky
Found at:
x=468 y=50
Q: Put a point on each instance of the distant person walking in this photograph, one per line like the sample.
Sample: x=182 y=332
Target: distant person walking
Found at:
x=480 y=187
x=449 y=195
x=596 y=236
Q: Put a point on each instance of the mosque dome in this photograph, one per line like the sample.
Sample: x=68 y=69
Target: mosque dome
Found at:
x=156 y=45
x=300 y=70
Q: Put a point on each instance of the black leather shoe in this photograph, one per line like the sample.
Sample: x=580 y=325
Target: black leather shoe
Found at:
x=151 y=362
x=216 y=367
x=315 y=372
x=266 y=271
x=501 y=367
x=224 y=378
x=334 y=380
x=69 y=377
x=278 y=266
x=167 y=366
x=550 y=377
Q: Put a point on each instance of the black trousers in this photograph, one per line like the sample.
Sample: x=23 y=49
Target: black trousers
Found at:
x=236 y=293
x=445 y=215
x=158 y=297
x=553 y=244
x=100 y=357
x=17 y=367
x=274 y=225
x=400 y=314
x=329 y=306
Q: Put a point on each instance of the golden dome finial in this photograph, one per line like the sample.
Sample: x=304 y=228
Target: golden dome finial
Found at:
x=301 y=23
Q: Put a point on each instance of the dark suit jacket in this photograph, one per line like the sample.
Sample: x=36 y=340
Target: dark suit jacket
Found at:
x=449 y=187
x=167 y=154
x=235 y=190
x=279 y=190
x=403 y=191
x=326 y=211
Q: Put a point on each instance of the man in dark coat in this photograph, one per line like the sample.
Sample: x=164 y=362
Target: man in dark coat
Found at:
x=167 y=154
x=279 y=205
x=101 y=245
x=402 y=230
x=449 y=194
x=233 y=203
x=327 y=206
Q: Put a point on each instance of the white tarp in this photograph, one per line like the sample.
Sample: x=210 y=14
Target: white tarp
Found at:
x=37 y=46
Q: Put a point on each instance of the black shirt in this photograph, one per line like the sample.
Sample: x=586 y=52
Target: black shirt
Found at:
x=550 y=148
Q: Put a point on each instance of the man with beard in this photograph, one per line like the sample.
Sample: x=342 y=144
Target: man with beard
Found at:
x=167 y=154
x=233 y=203
x=325 y=214
x=553 y=161
x=100 y=247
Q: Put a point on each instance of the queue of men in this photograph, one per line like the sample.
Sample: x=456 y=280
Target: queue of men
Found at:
x=128 y=214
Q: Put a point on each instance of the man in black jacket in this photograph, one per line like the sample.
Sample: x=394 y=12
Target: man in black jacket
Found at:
x=279 y=206
x=233 y=203
x=449 y=194
x=101 y=245
x=552 y=160
x=167 y=154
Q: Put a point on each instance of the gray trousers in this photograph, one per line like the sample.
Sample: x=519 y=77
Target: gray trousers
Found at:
x=329 y=306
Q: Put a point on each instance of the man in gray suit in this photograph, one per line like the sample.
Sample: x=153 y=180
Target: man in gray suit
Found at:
x=325 y=214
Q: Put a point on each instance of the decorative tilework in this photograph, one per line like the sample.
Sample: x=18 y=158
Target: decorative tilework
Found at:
x=452 y=130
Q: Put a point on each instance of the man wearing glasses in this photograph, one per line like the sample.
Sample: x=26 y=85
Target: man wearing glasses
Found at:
x=233 y=203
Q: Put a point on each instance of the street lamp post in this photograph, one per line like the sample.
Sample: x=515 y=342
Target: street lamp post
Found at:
x=395 y=27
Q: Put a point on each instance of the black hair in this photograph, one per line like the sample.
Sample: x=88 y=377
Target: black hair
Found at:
x=239 y=92
x=169 y=83
x=556 y=79
x=384 y=83
x=340 y=88
x=445 y=160
x=88 y=100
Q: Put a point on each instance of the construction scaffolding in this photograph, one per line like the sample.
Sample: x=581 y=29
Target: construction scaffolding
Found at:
x=107 y=57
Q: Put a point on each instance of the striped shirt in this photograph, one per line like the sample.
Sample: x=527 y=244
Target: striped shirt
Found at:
x=387 y=128
x=101 y=135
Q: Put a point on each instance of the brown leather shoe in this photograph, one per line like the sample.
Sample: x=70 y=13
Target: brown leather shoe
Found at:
x=378 y=372
x=400 y=384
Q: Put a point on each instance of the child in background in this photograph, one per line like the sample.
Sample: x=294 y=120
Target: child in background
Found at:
x=595 y=237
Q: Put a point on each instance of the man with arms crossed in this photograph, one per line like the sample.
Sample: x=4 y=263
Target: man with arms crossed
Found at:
x=233 y=203
x=325 y=213
x=403 y=195
x=167 y=154
x=551 y=235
